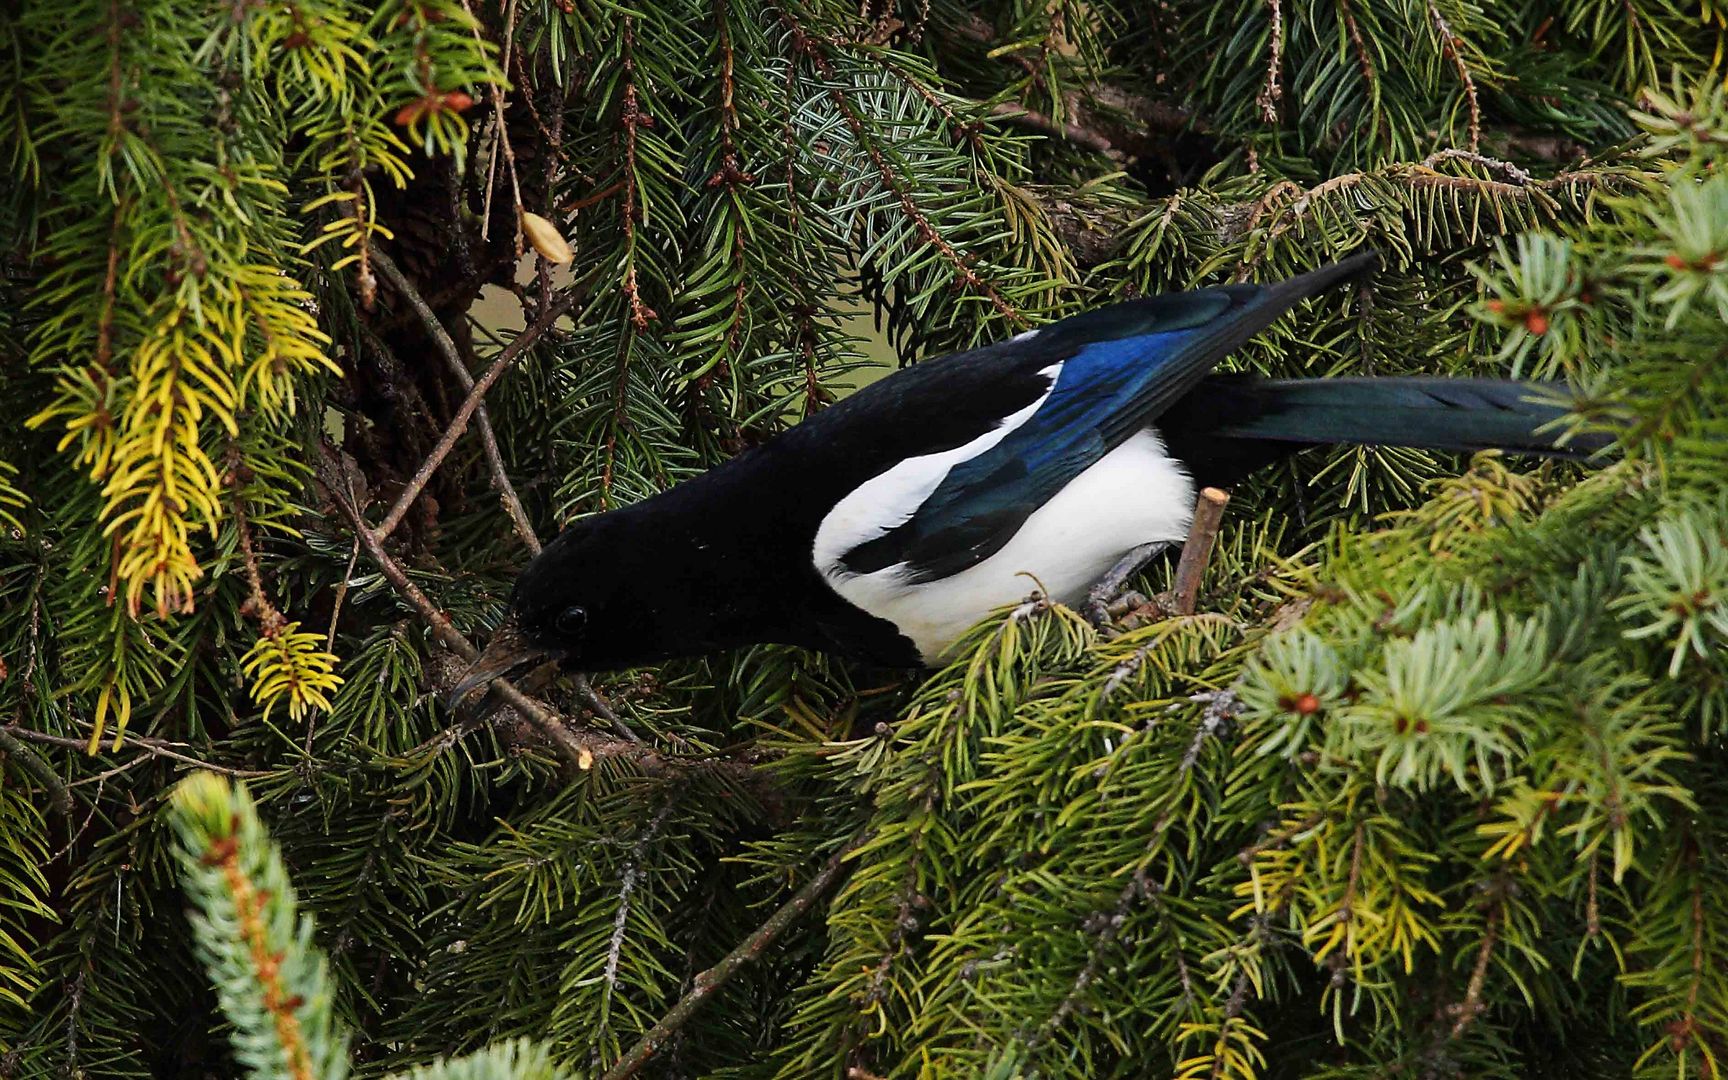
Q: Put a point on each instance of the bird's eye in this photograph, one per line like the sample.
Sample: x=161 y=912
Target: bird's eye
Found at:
x=571 y=620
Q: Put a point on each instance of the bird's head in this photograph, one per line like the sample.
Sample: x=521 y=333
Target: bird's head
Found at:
x=559 y=602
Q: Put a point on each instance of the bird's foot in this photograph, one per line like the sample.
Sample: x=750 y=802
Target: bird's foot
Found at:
x=1129 y=602
x=1099 y=598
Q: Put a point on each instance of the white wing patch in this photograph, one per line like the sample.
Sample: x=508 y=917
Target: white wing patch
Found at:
x=1136 y=494
x=889 y=499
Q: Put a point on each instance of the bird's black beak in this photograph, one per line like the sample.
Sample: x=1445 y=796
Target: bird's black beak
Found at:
x=506 y=653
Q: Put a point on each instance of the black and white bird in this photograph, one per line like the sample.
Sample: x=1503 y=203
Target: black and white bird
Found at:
x=887 y=525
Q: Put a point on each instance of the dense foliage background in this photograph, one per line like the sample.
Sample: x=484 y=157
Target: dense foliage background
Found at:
x=1433 y=785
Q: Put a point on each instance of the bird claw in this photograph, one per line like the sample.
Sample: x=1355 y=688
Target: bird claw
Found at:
x=1097 y=609
x=1102 y=600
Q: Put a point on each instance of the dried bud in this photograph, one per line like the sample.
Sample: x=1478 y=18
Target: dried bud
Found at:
x=434 y=103
x=546 y=238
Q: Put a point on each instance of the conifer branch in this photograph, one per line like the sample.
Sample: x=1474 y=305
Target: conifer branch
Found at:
x=1467 y=1010
x=813 y=46
x=1365 y=62
x=255 y=944
x=1451 y=46
x=1273 y=90
x=632 y=118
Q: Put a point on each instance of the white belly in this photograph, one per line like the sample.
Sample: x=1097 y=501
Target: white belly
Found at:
x=1134 y=495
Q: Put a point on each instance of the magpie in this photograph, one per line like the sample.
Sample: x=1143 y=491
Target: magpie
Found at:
x=888 y=524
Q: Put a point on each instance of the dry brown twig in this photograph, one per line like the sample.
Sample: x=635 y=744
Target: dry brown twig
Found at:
x=453 y=359
x=152 y=747
x=1202 y=532
x=476 y=395
x=1082 y=136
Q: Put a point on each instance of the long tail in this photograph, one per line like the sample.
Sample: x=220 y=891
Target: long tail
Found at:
x=1232 y=424
x=1433 y=413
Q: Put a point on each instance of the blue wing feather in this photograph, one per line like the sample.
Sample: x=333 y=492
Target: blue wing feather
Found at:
x=1120 y=368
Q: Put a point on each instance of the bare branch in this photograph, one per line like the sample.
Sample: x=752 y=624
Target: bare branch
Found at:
x=453 y=359
x=153 y=747
x=459 y=423
x=1073 y=131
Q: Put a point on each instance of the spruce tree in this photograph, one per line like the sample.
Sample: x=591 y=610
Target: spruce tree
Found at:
x=319 y=316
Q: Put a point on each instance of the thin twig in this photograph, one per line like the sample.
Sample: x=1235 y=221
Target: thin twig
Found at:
x=590 y=199
x=1451 y=47
x=44 y=773
x=501 y=135
x=154 y=747
x=1471 y=1007
x=748 y=951
x=626 y=889
x=453 y=359
x=632 y=118
x=1017 y=113
x=476 y=395
x=341 y=595
x=1518 y=176
x=1208 y=512
x=1274 y=88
